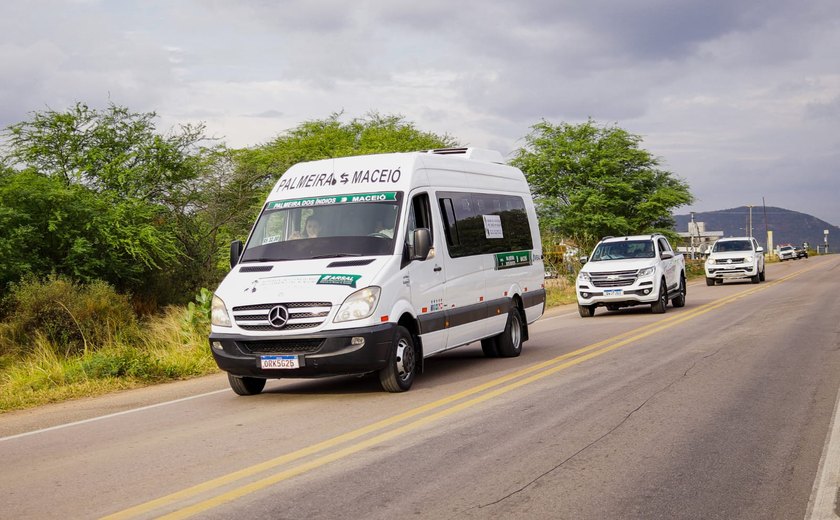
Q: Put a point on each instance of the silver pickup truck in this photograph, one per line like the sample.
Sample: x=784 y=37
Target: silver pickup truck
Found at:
x=631 y=270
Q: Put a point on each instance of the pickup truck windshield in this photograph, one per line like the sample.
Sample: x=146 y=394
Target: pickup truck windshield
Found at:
x=732 y=245
x=361 y=224
x=622 y=250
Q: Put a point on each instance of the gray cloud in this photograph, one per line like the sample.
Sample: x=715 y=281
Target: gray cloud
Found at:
x=742 y=99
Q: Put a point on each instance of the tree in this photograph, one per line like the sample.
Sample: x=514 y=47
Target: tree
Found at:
x=93 y=195
x=591 y=181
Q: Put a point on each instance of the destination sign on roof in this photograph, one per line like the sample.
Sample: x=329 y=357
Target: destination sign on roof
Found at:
x=383 y=196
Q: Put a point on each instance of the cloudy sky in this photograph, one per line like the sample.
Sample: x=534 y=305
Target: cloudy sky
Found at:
x=740 y=98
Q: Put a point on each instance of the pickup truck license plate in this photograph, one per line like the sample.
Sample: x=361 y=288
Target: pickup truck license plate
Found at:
x=613 y=292
x=279 y=362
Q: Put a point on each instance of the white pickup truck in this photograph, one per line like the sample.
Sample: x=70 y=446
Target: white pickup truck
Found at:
x=632 y=270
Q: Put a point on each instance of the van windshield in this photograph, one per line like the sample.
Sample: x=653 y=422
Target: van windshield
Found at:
x=361 y=224
x=622 y=250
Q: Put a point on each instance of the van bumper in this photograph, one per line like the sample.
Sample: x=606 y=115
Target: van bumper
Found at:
x=320 y=354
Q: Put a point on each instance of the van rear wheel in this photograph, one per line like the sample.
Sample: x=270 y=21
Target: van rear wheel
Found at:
x=489 y=347
x=399 y=374
x=509 y=342
x=246 y=385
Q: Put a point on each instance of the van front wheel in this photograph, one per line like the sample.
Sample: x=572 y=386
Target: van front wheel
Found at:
x=246 y=385
x=399 y=374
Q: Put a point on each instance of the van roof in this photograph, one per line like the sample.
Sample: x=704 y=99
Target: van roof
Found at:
x=392 y=172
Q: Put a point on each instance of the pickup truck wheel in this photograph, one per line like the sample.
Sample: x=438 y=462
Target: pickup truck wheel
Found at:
x=679 y=299
x=658 y=307
x=762 y=276
x=756 y=278
x=246 y=385
x=509 y=342
x=710 y=281
x=586 y=311
x=398 y=375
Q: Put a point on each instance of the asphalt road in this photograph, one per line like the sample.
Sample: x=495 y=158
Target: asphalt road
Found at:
x=721 y=409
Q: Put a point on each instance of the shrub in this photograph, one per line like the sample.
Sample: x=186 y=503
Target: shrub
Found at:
x=73 y=317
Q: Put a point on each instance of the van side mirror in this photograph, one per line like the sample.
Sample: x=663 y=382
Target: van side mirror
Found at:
x=422 y=244
x=235 y=252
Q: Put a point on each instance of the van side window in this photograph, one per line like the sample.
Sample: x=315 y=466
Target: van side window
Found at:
x=482 y=223
x=419 y=216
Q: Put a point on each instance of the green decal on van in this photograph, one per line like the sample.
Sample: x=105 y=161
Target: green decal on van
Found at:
x=513 y=259
x=339 y=279
x=382 y=196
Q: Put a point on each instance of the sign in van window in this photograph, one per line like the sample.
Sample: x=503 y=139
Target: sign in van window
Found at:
x=384 y=196
x=493 y=226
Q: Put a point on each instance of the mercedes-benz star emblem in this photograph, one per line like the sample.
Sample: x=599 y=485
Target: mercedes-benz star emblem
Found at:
x=278 y=316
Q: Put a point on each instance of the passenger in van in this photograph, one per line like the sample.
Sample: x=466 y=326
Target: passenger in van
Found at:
x=311 y=229
x=382 y=229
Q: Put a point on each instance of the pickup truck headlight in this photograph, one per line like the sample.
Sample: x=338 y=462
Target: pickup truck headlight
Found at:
x=358 y=305
x=750 y=259
x=647 y=271
x=218 y=313
x=583 y=276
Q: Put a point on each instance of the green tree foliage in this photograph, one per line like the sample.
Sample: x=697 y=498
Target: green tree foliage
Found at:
x=95 y=195
x=590 y=181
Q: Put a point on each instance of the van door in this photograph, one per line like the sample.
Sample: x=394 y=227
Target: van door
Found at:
x=426 y=278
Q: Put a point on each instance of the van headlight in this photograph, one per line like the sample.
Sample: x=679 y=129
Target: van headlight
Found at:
x=218 y=313
x=647 y=271
x=358 y=305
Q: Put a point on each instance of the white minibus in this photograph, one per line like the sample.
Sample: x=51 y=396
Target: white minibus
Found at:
x=370 y=264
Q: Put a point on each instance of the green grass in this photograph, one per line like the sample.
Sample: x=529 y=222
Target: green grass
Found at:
x=169 y=347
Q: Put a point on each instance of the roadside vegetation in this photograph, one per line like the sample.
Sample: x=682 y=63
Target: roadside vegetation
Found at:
x=65 y=340
x=111 y=231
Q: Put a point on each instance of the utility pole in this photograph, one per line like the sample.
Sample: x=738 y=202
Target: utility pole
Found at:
x=750 y=225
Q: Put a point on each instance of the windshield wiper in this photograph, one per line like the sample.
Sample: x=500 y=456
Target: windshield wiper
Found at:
x=267 y=259
x=336 y=255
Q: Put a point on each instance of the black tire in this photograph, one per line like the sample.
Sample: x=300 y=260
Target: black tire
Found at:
x=659 y=306
x=756 y=278
x=586 y=311
x=509 y=342
x=399 y=374
x=489 y=347
x=762 y=276
x=710 y=281
x=679 y=299
x=246 y=385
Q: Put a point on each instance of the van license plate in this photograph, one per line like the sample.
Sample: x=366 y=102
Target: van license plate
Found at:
x=273 y=362
x=613 y=292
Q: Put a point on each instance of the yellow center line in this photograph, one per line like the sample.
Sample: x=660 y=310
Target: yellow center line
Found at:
x=511 y=382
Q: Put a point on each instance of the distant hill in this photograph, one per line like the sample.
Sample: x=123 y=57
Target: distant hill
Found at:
x=788 y=227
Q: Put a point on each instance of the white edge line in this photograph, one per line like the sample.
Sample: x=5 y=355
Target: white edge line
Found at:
x=115 y=414
x=824 y=492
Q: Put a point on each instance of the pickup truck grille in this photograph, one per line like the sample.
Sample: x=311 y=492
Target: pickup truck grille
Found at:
x=301 y=315
x=614 y=278
x=725 y=261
